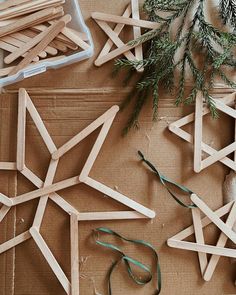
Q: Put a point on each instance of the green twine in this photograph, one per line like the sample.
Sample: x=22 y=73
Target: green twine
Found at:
x=165 y=181
x=128 y=260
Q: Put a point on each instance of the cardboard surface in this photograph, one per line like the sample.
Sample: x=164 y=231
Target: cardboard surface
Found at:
x=68 y=100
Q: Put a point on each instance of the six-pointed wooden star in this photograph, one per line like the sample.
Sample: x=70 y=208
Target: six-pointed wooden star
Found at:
x=122 y=48
x=177 y=241
x=196 y=139
x=47 y=189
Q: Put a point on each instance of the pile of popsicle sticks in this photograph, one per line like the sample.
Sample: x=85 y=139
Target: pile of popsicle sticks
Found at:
x=32 y=31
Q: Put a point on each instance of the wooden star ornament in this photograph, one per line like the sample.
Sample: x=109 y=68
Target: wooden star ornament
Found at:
x=207 y=267
x=47 y=189
x=130 y=17
x=226 y=105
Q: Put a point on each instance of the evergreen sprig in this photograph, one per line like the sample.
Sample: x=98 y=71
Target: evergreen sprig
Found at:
x=197 y=46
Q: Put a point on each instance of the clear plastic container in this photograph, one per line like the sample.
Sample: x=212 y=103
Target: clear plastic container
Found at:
x=77 y=23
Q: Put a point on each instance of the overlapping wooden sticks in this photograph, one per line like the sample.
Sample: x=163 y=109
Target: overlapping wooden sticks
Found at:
x=208 y=266
x=48 y=190
x=130 y=17
x=34 y=30
x=227 y=106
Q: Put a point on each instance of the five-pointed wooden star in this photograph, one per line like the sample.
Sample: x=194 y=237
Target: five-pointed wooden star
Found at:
x=130 y=17
x=47 y=189
x=196 y=139
x=177 y=241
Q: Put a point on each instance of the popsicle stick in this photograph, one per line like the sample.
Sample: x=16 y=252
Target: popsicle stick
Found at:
x=5 y=200
x=29 y=20
x=21 y=127
x=205 y=222
x=33 y=42
x=43 y=200
x=115 y=39
x=8 y=165
x=220 y=243
x=10 y=48
x=63 y=204
x=115 y=215
x=219 y=155
x=197 y=224
x=198 y=133
x=51 y=34
x=3 y=212
x=124 y=20
x=206 y=148
x=40 y=126
x=214 y=218
x=74 y=250
x=85 y=132
x=116 y=52
x=202 y=248
x=137 y=30
x=50 y=259
x=117 y=30
x=45 y=190
x=25 y=37
x=9 y=3
x=32 y=177
x=96 y=148
x=225 y=109
x=59 y=45
x=15 y=241
x=119 y=197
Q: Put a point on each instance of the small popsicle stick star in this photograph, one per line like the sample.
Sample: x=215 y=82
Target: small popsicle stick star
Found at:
x=47 y=189
x=207 y=266
x=202 y=110
x=130 y=17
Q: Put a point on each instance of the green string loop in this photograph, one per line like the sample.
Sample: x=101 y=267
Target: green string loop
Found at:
x=165 y=181
x=128 y=260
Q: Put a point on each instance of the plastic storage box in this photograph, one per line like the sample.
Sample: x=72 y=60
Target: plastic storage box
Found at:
x=77 y=23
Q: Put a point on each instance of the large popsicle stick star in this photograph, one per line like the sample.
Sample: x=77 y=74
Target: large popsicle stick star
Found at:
x=47 y=189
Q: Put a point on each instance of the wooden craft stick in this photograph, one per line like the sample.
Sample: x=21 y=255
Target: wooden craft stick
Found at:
x=74 y=246
x=34 y=41
x=137 y=30
x=15 y=241
x=63 y=204
x=221 y=243
x=9 y=3
x=6 y=71
x=197 y=224
x=115 y=215
x=21 y=127
x=43 y=200
x=205 y=222
x=10 y=48
x=51 y=34
x=40 y=126
x=206 y=148
x=50 y=259
x=85 y=132
x=8 y=165
x=121 y=50
x=29 y=20
x=225 y=109
x=3 y=211
x=32 y=177
x=214 y=218
x=119 y=197
x=115 y=39
x=96 y=148
x=5 y=200
x=124 y=20
x=118 y=28
x=198 y=133
x=45 y=190
x=25 y=36
x=202 y=248
x=59 y=45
